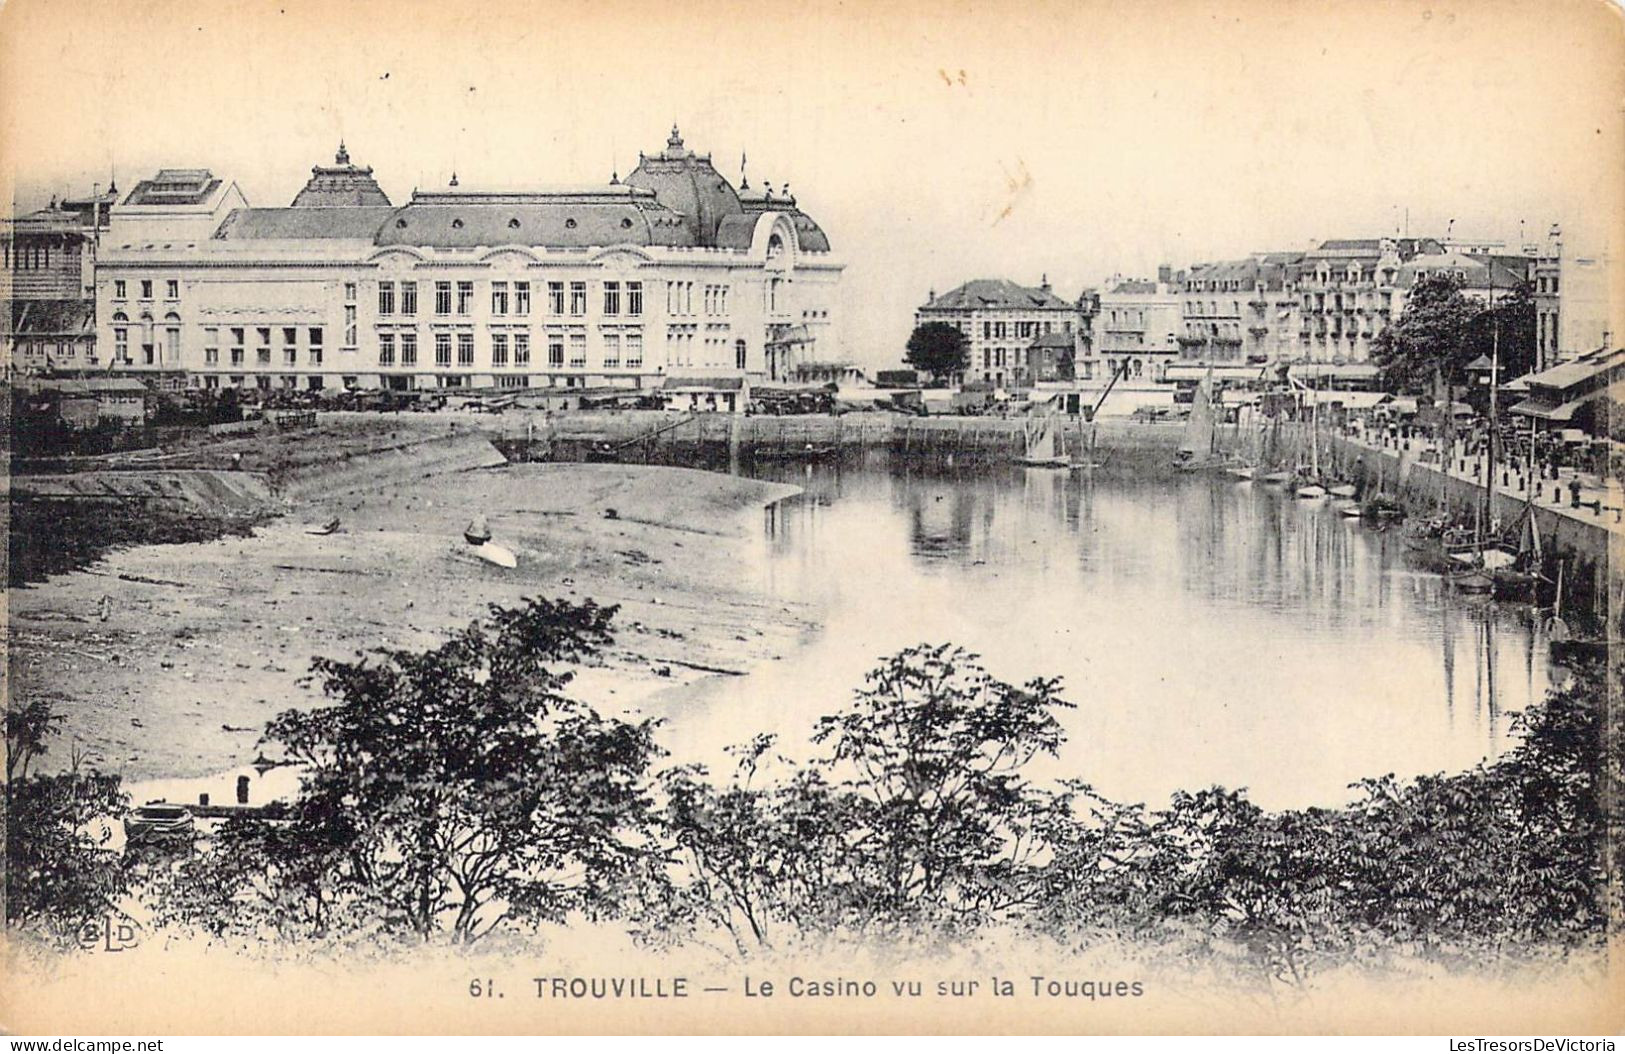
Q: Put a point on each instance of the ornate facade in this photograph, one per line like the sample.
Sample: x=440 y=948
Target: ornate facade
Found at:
x=673 y=270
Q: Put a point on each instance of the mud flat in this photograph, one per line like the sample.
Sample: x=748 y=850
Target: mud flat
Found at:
x=167 y=660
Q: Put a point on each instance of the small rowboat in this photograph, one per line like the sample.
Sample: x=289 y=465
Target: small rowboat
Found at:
x=497 y=555
x=158 y=823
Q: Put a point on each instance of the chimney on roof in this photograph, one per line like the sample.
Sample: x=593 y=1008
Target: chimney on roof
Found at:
x=1165 y=273
x=453 y=182
x=1043 y=283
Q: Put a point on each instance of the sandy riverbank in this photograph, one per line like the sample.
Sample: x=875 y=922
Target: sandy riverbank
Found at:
x=203 y=642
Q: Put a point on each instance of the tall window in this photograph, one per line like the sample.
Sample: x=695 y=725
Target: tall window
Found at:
x=386 y=298
x=739 y=354
x=409 y=348
x=262 y=351
x=146 y=289
x=634 y=349
x=237 y=351
x=349 y=325
x=314 y=338
x=386 y=349
x=521 y=349
x=349 y=292
x=578 y=298
x=612 y=298
x=119 y=289
x=465 y=348
x=290 y=346
x=465 y=297
x=121 y=346
x=442 y=298
x=612 y=351
x=634 y=298
x=442 y=349
x=211 y=345
x=409 y=298
x=499 y=349
x=499 y=298
x=521 y=298
x=555 y=298
x=578 y=349
x=172 y=289
x=555 y=349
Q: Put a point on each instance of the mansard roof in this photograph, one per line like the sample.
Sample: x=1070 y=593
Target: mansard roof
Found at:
x=985 y=294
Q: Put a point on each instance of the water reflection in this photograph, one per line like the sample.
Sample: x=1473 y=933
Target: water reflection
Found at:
x=1210 y=631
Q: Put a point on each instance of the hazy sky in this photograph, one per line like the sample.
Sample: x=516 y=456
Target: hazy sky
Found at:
x=935 y=142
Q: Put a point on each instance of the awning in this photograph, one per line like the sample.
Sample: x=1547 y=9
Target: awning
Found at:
x=1348 y=371
x=702 y=384
x=1542 y=410
x=1233 y=372
x=1354 y=400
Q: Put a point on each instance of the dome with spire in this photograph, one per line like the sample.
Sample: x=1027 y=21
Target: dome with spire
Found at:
x=339 y=184
x=687 y=183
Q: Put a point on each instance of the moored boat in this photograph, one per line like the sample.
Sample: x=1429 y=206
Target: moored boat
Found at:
x=159 y=823
x=1040 y=446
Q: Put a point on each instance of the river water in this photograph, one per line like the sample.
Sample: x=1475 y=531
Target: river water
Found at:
x=1209 y=631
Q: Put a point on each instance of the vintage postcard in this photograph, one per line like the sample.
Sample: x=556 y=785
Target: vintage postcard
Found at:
x=542 y=518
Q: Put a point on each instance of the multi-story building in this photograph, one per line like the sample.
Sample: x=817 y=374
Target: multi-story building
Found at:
x=47 y=282
x=622 y=284
x=1137 y=328
x=1241 y=311
x=1349 y=290
x=1001 y=321
x=1575 y=311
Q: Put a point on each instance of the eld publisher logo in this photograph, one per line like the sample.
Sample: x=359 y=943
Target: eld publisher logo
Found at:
x=108 y=934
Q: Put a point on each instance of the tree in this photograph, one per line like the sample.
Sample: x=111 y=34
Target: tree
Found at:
x=446 y=792
x=1442 y=329
x=1507 y=331
x=939 y=349
x=1428 y=341
x=60 y=873
x=938 y=748
x=919 y=821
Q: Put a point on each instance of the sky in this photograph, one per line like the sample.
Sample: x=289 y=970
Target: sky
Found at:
x=934 y=142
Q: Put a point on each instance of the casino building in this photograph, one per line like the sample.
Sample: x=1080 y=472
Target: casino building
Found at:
x=671 y=272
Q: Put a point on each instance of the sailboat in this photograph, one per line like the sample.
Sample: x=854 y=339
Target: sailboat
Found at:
x=1041 y=449
x=1567 y=646
x=1313 y=488
x=1478 y=575
x=1523 y=577
x=1198 y=449
x=1248 y=436
x=1471 y=572
x=1379 y=504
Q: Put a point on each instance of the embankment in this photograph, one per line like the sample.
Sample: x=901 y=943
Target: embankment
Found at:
x=347 y=471
x=718 y=439
x=1588 y=543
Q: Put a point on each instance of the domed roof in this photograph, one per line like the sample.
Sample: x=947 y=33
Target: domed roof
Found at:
x=686 y=182
x=341 y=184
x=809 y=235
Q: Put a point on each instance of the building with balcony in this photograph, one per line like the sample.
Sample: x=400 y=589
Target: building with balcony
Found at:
x=1241 y=311
x=1349 y=290
x=620 y=284
x=1136 y=330
x=1002 y=321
